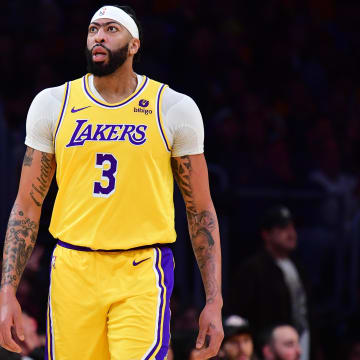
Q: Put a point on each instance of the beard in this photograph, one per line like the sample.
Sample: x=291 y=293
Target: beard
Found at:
x=116 y=59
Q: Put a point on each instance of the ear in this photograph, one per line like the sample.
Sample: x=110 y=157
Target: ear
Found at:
x=134 y=46
x=267 y=352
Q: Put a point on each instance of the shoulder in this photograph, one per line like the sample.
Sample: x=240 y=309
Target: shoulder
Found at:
x=180 y=103
x=50 y=96
x=183 y=122
x=42 y=116
x=174 y=101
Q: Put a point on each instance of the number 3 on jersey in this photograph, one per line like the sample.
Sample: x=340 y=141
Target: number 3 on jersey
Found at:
x=108 y=164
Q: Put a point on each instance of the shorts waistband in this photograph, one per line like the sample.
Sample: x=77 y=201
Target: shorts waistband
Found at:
x=84 y=248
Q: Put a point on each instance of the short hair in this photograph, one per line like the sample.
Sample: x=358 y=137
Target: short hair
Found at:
x=131 y=12
x=266 y=336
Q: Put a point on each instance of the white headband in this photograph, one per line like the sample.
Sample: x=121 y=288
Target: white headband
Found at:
x=114 y=13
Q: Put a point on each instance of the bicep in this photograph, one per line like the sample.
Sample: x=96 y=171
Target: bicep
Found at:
x=37 y=172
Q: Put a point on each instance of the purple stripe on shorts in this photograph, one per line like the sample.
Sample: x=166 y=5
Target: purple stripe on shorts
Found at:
x=167 y=264
x=116 y=105
x=161 y=305
x=167 y=267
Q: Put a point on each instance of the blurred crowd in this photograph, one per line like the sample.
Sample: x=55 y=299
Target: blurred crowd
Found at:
x=276 y=81
x=279 y=91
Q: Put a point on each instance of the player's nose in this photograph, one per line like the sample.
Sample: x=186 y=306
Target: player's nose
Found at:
x=100 y=35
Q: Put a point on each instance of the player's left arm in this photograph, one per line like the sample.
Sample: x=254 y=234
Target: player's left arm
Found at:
x=191 y=175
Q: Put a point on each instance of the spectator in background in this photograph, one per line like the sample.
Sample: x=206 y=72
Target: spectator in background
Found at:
x=269 y=288
x=238 y=342
x=281 y=342
x=33 y=347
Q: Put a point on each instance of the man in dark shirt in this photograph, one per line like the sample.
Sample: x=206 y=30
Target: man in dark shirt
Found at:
x=272 y=283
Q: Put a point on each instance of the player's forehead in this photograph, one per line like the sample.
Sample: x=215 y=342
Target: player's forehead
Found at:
x=104 y=21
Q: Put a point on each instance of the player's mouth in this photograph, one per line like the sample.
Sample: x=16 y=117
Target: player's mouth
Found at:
x=99 y=53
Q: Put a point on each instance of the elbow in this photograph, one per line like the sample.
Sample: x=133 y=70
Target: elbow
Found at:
x=29 y=204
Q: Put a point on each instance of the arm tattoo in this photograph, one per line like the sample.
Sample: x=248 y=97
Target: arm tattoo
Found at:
x=22 y=230
x=201 y=224
x=42 y=182
x=19 y=243
x=28 y=158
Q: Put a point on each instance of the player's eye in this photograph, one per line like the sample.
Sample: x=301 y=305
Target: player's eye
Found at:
x=112 y=28
x=92 y=29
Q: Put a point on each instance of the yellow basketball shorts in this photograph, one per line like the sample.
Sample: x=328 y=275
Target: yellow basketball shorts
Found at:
x=109 y=305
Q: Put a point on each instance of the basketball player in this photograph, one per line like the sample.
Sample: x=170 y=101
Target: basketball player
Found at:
x=116 y=140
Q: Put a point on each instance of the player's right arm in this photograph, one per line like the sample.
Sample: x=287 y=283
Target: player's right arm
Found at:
x=37 y=172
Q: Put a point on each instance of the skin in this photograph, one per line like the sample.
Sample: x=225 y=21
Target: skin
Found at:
x=238 y=347
x=284 y=345
x=170 y=354
x=280 y=241
x=37 y=172
x=190 y=173
x=191 y=176
x=122 y=83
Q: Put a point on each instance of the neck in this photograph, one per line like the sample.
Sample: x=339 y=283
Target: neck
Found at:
x=117 y=86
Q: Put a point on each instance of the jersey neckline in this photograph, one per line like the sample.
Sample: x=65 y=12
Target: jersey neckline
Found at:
x=105 y=104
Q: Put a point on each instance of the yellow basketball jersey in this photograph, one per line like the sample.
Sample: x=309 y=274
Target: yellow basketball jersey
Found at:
x=113 y=170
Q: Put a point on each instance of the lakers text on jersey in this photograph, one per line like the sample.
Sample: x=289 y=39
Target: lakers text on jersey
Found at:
x=113 y=170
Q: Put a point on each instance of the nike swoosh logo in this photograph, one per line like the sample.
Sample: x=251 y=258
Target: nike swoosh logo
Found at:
x=137 y=263
x=73 y=110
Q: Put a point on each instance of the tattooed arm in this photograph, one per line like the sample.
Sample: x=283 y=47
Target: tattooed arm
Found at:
x=37 y=172
x=191 y=176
